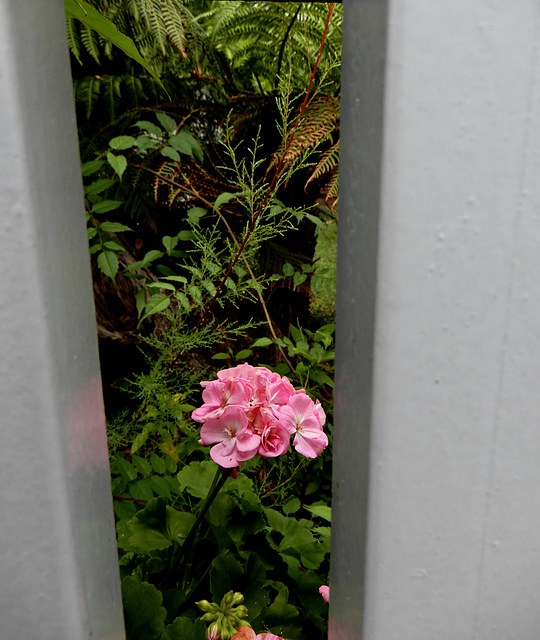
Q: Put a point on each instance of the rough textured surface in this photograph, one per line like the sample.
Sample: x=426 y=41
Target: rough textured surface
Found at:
x=57 y=542
x=453 y=405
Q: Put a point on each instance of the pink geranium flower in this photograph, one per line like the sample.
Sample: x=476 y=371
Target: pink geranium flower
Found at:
x=235 y=440
x=219 y=394
x=325 y=593
x=275 y=440
x=303 y=419
x=252 y=410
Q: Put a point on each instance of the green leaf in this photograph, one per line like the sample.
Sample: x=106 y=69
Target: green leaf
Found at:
x=224 y=198
x=292 y=506
x=178 y=524
x=98 y=186
x=184 y=142
x=148 y=259
x=181 y=143
x=180 y=629
x=156 y=303
x=113 y=227
x=196 y=294
x=92 y=232
x=321 y=511
x=125 y=467
x=88 y=168
x=113 y=245
x=262 y=342
x=108 y=263
x=140 y=301
x=107 y=205
x=210 y=287
x=94 y=20
x=315 y=220
x=241 y=355
x=144 y=142
x=225 y=574
x=288 y=270
x=118 y=163
x=196 y=478
x=144 y=616
x=166 y=122
x=150 y=127
x=195 y=214
x=141 y=490
x=281 y=617
x=176 y=279
x=298 y=278
x=158 y=464
x=185 y=235
x=120 y=143
x=221 y=356
x=169 y=152
x=142 y=465
x=183 y=300
x=160 y=285
x=169 y=243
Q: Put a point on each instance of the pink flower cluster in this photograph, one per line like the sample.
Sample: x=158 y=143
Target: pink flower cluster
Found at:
x=251 y=411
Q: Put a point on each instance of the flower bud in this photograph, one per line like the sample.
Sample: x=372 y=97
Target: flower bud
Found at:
x=209 y=617
x=238 y=598
x=227 y=629
x=227 y=600
x=241 y=612
x=204 y=605
x=214 y=631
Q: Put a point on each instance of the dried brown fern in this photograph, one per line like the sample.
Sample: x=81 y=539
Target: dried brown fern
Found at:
x=328 y=164
x=319 y=121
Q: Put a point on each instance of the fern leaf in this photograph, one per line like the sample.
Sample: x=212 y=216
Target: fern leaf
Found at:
x=73 y=39
x=90 y=41
x=329 y=160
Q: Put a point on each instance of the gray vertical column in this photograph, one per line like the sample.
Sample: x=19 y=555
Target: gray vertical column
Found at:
x=439 y=324
x=364 y=58
x=57 y=545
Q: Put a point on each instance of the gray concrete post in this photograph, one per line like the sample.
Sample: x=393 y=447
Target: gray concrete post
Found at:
x=437 y=392
x=57 y=546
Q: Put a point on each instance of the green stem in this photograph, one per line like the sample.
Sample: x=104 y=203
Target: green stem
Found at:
x=185 y=553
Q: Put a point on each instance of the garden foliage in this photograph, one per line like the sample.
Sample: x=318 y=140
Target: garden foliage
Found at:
x=206 y=190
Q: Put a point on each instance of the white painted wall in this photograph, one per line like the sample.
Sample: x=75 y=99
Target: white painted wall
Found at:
x=453 y=405
x=58 y=563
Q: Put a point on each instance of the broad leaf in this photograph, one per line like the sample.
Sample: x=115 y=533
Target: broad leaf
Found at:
x=166 y=122
x=156 y=303
x=113 y=227
x=118 y=163
x=150 y=127
x=108 y=263
x=120 y=143
x=143 y=614
x=224 y=198
x=169 y=152
x=262 y=342
x=107 y=205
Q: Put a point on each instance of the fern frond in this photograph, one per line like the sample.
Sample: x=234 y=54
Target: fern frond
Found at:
x=320 y=120
x=90 y=40
x=73 y=39
x=329 y=160
x=87 y=92
x=152 y=14
x=173 y=20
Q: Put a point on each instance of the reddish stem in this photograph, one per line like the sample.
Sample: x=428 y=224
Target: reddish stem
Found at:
x=278 y=171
